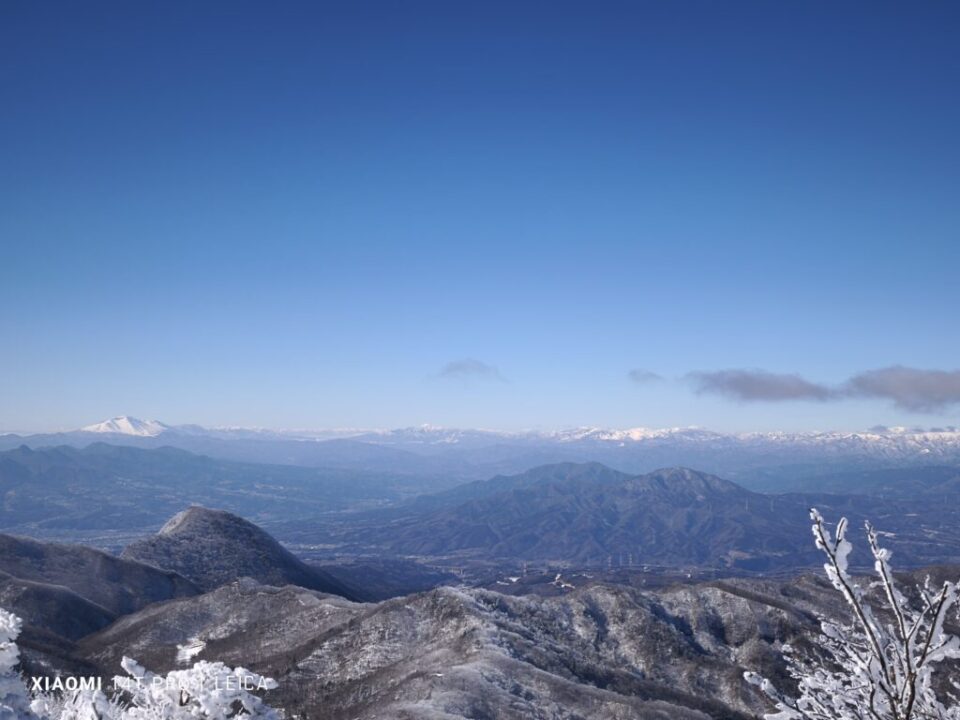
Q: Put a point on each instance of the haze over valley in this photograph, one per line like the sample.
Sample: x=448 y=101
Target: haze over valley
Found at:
x=480 y=503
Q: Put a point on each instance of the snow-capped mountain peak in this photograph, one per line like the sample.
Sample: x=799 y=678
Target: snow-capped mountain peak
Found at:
x=673 y=445
x=126 y=425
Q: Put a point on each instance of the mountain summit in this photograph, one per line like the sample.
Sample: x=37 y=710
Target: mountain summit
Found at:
x=212 y=548
x=126 y=425
x=589 y=514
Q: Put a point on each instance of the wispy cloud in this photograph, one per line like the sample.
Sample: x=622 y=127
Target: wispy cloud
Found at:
x=642 y=377
x=913 y=389
x=748 y=385
x=468 y=369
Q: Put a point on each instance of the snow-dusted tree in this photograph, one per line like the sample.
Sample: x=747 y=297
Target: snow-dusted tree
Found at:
x=207 y=691
x=14 y=698
x=211 y=691
x=880 y=665
x=78 y=705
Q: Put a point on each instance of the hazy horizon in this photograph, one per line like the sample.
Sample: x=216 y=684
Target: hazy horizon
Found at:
x=346 y=430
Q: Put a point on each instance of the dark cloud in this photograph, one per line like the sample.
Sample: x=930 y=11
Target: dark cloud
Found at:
x=759 y=386
x=909 y=388
x=468 y=368
x=643 y=376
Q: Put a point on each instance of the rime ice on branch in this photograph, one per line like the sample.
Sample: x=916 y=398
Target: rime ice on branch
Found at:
x=872 y=669
x=14 y=698
x=208 y=690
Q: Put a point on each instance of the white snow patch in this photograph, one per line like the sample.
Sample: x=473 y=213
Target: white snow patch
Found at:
x=126 y=425
x=189 y=650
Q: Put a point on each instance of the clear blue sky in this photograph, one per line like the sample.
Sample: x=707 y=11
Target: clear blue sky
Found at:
x=317 y=214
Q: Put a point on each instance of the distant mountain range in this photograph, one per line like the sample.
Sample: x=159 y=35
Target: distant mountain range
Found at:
x=767 y=460
x=588 y=515
x=578 y=514
x=104 y=489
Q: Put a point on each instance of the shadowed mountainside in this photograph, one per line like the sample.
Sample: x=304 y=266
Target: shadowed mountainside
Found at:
x=117 y=585
x=588 y=515
x=64 y=592
x=213 y=547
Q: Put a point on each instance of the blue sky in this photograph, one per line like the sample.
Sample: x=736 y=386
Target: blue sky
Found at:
x=486 y=214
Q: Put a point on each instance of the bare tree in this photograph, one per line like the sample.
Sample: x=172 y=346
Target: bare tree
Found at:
x=879 y=666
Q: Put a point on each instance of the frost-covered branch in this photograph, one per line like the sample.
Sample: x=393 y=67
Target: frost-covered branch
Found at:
x=209 y=691
x=871 y=670
x=14 y=698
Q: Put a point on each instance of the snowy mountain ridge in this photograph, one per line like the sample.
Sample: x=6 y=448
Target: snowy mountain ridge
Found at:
x=892 y=437
x=126 y=425
x=767 y=460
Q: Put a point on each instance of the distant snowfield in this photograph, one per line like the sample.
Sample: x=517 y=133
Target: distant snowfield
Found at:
x=189 y=650
x=433 y=434
x=894 y=439
x=125 y=425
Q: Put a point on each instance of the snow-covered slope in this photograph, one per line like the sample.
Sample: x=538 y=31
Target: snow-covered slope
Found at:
x=604 y=653
x=126 y=425
x=600 y=652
